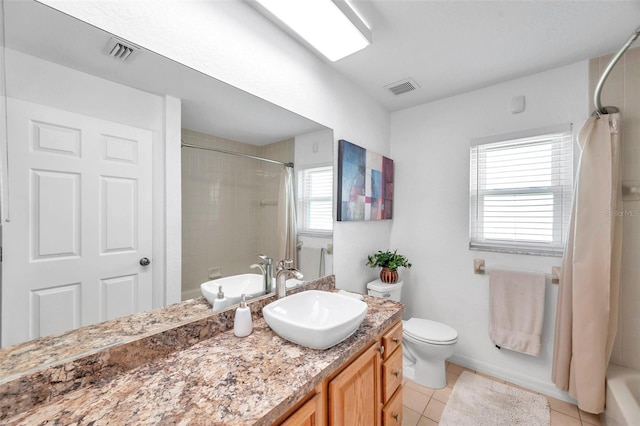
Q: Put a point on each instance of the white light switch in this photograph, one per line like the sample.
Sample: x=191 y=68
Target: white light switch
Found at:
x=517 y=104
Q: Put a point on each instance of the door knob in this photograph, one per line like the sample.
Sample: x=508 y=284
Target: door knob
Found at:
x=145 y=261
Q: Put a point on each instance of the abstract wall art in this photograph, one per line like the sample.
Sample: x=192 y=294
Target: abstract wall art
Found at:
x=365 y=184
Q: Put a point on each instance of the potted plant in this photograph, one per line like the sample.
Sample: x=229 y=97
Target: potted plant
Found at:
x=389 y=261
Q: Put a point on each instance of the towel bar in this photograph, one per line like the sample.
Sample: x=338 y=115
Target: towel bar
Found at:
x=479 y=268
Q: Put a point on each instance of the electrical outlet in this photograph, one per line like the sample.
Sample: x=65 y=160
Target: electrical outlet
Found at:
x=215 y=272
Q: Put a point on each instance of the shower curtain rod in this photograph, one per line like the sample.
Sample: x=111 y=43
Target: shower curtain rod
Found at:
x=596 y=96
x=268 y=160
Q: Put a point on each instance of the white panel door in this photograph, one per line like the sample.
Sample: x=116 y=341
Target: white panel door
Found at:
x=80 y=222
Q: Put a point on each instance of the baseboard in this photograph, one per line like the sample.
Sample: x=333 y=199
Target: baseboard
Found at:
x=545 y=388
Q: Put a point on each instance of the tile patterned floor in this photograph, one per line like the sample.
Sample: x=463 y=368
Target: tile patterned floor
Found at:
x=423 y=406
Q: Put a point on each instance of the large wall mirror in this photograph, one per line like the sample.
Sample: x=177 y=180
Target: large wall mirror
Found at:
x=89 y=117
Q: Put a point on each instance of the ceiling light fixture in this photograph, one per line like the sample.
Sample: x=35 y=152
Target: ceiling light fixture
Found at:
x=332 y=27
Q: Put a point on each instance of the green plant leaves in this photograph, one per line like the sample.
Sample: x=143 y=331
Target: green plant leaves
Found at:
x=388 y=259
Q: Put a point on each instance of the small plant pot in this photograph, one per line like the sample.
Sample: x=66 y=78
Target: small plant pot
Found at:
x=389 y=276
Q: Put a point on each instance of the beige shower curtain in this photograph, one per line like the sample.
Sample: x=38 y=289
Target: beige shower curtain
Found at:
x=587 y=310
x=287 y=228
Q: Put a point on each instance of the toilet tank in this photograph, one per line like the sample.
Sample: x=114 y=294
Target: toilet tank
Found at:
x=388 y=291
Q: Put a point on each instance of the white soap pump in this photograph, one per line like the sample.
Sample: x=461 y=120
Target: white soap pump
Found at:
x=242 y=324
x=220 y=301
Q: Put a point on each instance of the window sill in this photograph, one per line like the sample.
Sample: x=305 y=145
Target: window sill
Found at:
x=517 y=250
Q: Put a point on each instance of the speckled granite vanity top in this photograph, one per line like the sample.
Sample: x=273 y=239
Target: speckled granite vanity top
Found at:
x=219 y=380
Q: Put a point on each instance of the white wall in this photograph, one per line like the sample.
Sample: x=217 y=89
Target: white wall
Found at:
x=230 y=41
x=35 y=80
x=430 y=147
x=305 y=156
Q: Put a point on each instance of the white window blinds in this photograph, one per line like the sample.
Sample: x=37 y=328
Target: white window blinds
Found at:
x=315 y=200
x=520 y=192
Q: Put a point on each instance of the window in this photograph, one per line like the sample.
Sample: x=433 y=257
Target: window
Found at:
x=520 y=191
x=315 y=200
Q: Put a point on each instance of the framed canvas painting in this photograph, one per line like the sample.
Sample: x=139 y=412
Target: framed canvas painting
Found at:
x=365 y=184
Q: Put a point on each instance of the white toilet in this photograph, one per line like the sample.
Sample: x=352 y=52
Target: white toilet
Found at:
x=425 y=344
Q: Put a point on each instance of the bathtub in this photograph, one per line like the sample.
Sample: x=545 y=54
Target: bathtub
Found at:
x=623 y=396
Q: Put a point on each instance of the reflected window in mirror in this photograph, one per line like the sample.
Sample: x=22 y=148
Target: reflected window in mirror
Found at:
x=315 y=191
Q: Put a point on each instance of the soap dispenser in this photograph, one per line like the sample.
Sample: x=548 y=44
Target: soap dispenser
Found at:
x=242 y=324
x=220 y=302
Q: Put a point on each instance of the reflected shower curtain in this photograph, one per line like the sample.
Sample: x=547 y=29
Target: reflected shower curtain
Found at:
x=587 y=309
x=287 y=229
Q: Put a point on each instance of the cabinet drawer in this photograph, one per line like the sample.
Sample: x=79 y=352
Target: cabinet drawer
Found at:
x=391 y=374
x=392 y=412
x=391 y=340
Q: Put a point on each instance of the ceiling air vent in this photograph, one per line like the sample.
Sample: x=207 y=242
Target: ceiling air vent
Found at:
x=402 y=86
x=120 y=49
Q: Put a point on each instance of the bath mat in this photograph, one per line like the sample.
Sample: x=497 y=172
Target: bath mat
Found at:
x=476 y=401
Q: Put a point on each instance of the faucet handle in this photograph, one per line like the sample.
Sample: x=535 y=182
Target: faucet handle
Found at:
x=266 y=259
x=285 y=264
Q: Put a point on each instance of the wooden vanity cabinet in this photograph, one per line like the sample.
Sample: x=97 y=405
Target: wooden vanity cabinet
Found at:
x=365 y=391
x=368 y=390
x=354 y=393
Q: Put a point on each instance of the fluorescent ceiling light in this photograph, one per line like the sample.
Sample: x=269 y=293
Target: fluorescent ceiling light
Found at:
x=323 y=24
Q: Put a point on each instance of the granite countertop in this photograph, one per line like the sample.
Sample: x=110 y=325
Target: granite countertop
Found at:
x=220 y=380
x=40 y=353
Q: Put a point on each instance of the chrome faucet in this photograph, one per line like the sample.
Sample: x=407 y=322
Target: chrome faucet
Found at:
x=285 y=270
x=267 y=271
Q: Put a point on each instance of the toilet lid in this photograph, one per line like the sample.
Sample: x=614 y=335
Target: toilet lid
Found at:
x=430 y=331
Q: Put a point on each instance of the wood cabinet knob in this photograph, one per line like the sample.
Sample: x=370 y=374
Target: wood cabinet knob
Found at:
x=396 y=340
x=395 y=416
x=396 y=373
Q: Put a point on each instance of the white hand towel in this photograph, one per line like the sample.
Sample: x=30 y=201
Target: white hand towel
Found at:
x=516 y=310
x=350 y=294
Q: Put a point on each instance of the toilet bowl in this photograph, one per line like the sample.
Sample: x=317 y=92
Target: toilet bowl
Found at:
x=425 y=344
x=425 y=347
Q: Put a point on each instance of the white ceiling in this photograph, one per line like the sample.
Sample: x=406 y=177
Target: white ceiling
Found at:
x=447 y=47
x=208 y=105
x=451 y=47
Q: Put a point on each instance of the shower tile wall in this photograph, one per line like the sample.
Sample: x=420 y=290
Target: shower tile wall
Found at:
x=622 y=90
x=223 y=224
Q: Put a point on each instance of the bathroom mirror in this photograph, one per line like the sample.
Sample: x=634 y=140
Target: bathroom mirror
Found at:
x=61 y=67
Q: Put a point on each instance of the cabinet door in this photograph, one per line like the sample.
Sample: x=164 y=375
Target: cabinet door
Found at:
x=310 y=414
x=354 y=394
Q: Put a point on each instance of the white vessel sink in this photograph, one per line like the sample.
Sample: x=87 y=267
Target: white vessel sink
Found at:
x=252 y=285
x=316 y=319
